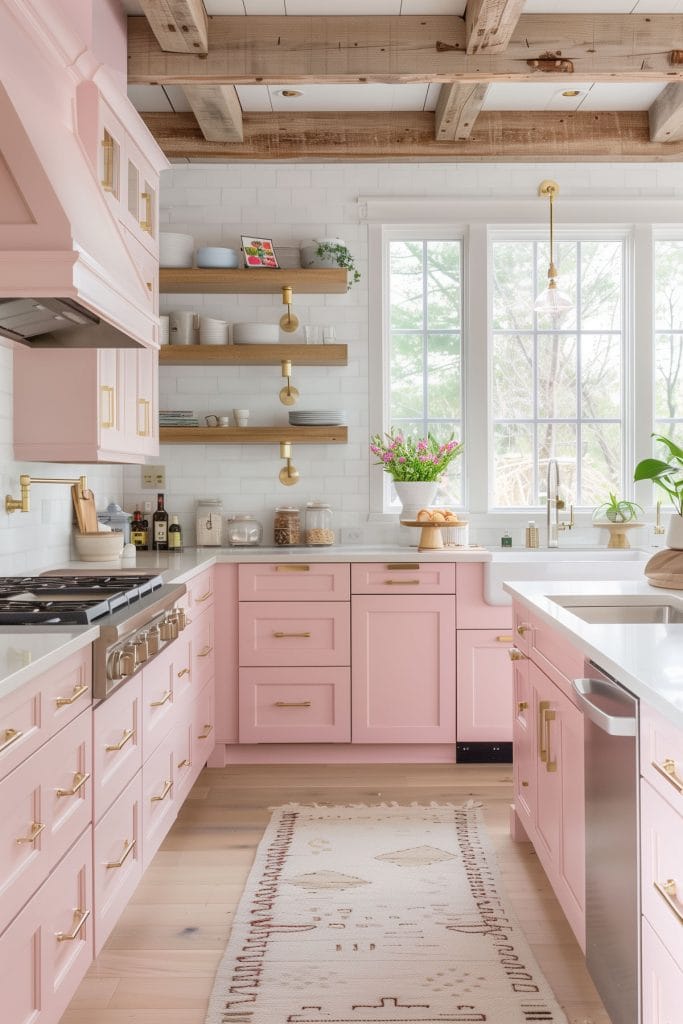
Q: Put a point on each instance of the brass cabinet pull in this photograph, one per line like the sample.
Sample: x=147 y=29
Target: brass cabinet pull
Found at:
x=279 y=635
x=504 y=638
x=36 y=828
x=168 y=786
x=402 y=583
x=78 y=691
x=183 y=672
x=523 y=628
x=208 y=730
x=516 y=655
x=548 y=717
x=292 y=704
x=164 y=700
x=185 y=763
x=205 y=651
x=403 y=566
x=80 y=779
x=127 y=736
x=128 y=848
x=11 y=736
x=667 y=769
x=522 y=705
x=543 y=706
x=667 y=890
x=146 y=222
x=524 y=783
x=293 y=568
x=80 y=917
x=205 y=596
x=145 y=432
x=108 y=422
x=107 y=181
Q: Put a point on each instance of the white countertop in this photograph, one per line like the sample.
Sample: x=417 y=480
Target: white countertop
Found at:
x=27 y=653
x=646 y=658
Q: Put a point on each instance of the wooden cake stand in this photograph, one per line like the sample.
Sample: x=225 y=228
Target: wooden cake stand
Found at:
x=618 y=533
x=430 y=535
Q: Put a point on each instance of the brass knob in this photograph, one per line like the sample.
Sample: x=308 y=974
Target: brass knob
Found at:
x=181 y=618
x=165 y=630
x=153 y=641
x=516 y=655
x=523 y=628
x=141 y=650
x=127 y=660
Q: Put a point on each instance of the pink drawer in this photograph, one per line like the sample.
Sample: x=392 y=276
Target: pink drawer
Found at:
x=117 y=860
x=158 y=699
x=552 y=652
x=200 y=592
x=159 y=802
x=661 y=830
x=302 y=705
x=36 y=711
x=402 y=578
x=294 y=581
x=661 y=756
x=185 y=768
x=117 y=743
x=662 y=981
x=204 y=726
x=202 y=651
x=184 y=684
x=294 y=633
x=47 y=949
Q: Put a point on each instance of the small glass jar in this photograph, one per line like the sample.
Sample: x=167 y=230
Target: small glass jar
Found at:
x=244 y=531
x=319 y=524
x=287 y=526
x=209 y=522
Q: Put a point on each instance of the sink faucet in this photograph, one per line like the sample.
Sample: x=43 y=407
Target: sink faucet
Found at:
x=554 y=503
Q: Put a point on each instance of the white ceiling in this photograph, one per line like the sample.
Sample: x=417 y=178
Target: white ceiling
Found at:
x=457 y=7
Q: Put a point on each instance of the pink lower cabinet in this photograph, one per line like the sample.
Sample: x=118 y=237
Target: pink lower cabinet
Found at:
x=525 y=752
x=294 y=581
x=661 y=863
x=48 y=947
x=159 y=801
x=662 y=981
x=295 y=705
x=117 y=858
x=403 y=676
x=117 y=743
x=484 y=711
x=403 y=578
x=279 y=633
x=202 y=649
x=204 y=726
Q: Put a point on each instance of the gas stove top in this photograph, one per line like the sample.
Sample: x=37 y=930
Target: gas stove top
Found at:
x=70 y=599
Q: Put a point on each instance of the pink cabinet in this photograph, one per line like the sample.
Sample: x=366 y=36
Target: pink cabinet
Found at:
x=117 y=858
x=282 y=633
x=403 y=669
x=662 y=981
x=403 y=578
x=295 y=705
x=200 y=592
x=294 y=581
x=484 y=673
x=226 y=653
x=159 y=696
x=661 y=756
x=203 y=726
x=159 y=802
x=525 y=753
x=202 y=649
x=661 y=830
x=117 y=743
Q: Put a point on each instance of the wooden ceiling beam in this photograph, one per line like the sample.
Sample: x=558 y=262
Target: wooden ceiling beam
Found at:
x=666 y=114
x=497 y=136
x=396 y=49
x=179 y=26
x=489 y=24
x=218 y=111
x=457 y=108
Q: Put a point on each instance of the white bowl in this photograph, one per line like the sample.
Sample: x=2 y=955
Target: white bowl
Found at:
x=213 y=332
x=175 y=250
x=217 y=256
x=255 y=334
x=99 y=547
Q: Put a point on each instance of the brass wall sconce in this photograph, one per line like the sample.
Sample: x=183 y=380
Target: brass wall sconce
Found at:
x=23 y=504
x=289 y=474
x=288 y=394
x=288 y=321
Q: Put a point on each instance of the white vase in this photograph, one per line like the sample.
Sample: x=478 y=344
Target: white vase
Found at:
x=674 y=532
x=414 y=495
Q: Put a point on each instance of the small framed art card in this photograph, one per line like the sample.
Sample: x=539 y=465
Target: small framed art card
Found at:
x=259 y=252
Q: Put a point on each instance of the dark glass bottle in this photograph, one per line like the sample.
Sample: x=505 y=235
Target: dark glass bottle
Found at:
x=160 y=526
x=139 y=531
x=175 y=537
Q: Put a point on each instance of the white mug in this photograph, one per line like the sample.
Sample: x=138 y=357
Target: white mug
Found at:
x=241 y=417
x=182 y=326
x=223 y=421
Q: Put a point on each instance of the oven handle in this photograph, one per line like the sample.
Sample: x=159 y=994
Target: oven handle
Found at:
x=615 y=725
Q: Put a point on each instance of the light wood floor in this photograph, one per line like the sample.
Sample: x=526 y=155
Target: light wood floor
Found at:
x=159 y=962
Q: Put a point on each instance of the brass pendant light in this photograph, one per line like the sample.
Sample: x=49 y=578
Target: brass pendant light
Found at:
x=551 y=301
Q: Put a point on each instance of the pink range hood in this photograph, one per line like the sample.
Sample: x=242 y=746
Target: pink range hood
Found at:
x=67 y=272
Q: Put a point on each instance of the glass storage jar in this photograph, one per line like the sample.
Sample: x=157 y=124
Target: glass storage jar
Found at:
x=287 y=526
x=319 y=524
x=209 y=522
x=244 y=531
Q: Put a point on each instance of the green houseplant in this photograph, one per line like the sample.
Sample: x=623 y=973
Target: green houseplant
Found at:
x=668 y=475
x=330 y=252
x=617 y=510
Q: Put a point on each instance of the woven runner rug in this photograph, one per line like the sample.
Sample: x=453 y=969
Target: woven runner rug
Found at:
x=377 y=915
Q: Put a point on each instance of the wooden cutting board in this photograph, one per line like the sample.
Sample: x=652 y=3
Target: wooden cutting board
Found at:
x=665 y=569
x=84 y=506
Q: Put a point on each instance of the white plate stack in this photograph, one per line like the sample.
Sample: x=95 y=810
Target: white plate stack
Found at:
x=175 y=250
x=213 y=332
x=255 y=334
x=318 y=418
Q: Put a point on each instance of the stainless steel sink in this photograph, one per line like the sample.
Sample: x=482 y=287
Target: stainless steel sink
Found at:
x=625 y=613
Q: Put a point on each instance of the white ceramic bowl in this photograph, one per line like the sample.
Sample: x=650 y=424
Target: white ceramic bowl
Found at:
x=99 y=547
x=217 y=256
x=213 y=332
x=255 y=334
x=175 y=250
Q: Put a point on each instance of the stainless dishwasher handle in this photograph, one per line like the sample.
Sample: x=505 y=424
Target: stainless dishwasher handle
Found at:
x=615 y=725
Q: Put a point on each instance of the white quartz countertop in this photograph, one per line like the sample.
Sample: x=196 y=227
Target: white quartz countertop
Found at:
x=647 y=658
x=27 y=653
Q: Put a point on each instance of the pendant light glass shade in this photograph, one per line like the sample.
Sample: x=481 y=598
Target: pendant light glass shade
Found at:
x=551 y=300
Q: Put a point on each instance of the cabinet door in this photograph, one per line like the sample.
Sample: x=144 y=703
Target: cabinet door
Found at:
x=140 y=388
x=111 y=420
x=117 y=858
x=484 y=712
x=403 y=677
x=524 y=746
x=282 y=633
x=662 y=981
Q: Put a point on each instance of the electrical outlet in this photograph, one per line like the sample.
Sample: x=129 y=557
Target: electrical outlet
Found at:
x=148 y=507
x=351 y=535
x=154 y=477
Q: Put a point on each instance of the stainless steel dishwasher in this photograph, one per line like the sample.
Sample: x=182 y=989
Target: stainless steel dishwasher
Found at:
x=612 y=858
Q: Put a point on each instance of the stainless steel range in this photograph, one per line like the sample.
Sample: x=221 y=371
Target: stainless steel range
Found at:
x=137 y=613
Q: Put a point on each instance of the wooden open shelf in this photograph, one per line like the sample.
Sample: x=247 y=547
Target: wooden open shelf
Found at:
x=253 y=355
x=258 y=281
x=253 y=435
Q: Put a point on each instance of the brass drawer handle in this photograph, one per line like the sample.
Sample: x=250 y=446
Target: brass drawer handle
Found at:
x=292 y=568
x=127 y=736
x=402 y=583
x=667 y=890
x=292 y=704
x=108 y=423
x=183 y=672
x=107 y=182
x=203 y=735
x=667 y=769
x=280 y=635
x=516 y=655
x=164 y=700
x=548 y=717
x=205 y=651
x=185 y=763
x=145 y=432
x=80 y=917
x=80 y=779
x=204 y=597
x=522 y=705
x=403 y=567
x=523 y=628
x=146 y=222
x=11 y=736
x=36 y=828
x=78 y=691
x=543 y=706
x=128 y=848
x=505 y=638
x=168 y=786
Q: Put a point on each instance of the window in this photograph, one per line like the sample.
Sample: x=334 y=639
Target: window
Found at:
x=556 y=388
x=668 y=346
x=424 y=393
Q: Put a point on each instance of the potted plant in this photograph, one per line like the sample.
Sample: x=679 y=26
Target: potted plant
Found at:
x=330 y=252
x=617 y=510
x=668 y=476
x=415 y=465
